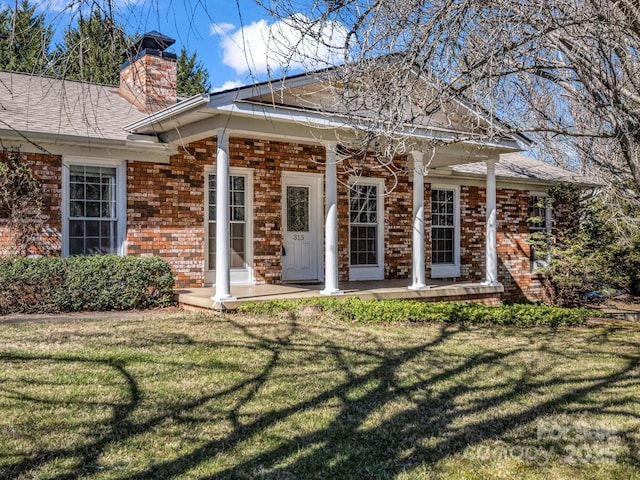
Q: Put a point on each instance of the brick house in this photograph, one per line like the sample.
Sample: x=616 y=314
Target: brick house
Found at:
x=234 y=188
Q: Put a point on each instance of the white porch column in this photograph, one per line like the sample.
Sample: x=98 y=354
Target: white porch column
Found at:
x=331 y=223
x=418 y=257
x=491 y=246
x=223 y=282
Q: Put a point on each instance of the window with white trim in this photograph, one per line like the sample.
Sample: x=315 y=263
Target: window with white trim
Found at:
x=539 y=230
x=445 y=232
x=363 y=215
x=366 y=257
x=237 y=221
x=92 y=207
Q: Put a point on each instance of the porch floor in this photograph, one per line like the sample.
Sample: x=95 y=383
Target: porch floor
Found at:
x=440 y=290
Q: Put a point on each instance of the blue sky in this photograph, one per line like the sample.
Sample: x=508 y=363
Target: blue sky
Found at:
x=235 y=39
x=191 y=22
x=195 y=25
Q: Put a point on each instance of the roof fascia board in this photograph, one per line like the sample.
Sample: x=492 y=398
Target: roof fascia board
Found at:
x=479 y=180
x=168 y=112
x=130 y=150
x=319 y=120
x=470 y=180
x=239 y=125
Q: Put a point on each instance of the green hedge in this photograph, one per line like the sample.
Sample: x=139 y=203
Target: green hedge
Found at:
x=98 y=282
x=352 y=309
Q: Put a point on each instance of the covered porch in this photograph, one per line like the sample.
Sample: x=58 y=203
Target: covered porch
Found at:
x=439 y=290
x=328 y=272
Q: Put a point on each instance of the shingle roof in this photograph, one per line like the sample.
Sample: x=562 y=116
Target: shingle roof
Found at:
x=34 y=104
x=518 y=166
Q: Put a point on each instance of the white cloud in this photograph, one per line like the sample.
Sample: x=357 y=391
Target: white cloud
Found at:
x=228 y=86
x=221 y=28
x=260 y=47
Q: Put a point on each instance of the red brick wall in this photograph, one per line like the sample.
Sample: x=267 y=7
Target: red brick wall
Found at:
x=165 y=213
x=166 y=204
x=514 y=267
x=48 y=170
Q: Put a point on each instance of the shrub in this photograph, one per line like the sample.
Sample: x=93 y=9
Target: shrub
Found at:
x=352 y=309
x=596 y=248
x=100 y=282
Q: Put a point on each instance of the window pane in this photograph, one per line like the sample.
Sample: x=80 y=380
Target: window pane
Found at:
x=238 y=245
x=93 y=209
x=537 y=213
x=76 y=191
x=297 y=209
x=237 y=214
x=76 y=228
x=237 y=198
x=364 y=245
x=76 y=246
x=92 y=229
x=237 y=182
x=76 y=209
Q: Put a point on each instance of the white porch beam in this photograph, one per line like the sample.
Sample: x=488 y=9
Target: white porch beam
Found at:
x=223 y=280
x=491 y=245
x=418 y=251
x=331 y=222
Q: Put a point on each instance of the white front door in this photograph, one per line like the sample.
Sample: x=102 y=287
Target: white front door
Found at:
x=302 y=232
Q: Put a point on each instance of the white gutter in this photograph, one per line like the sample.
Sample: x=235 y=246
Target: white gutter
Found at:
x=168 y=112
x=323 y=121
x=130 y=148
x=289 y=113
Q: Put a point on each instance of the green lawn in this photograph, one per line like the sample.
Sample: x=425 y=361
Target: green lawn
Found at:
x=305 y=396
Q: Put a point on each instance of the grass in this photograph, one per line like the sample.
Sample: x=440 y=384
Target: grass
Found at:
x=302 y=395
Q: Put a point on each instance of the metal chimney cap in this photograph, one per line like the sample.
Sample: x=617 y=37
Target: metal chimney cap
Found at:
x=153 y=40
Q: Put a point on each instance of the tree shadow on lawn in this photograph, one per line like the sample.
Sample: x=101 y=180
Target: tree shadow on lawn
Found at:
x=367 y=437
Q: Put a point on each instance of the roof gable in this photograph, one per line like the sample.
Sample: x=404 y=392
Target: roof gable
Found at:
x=319 y=92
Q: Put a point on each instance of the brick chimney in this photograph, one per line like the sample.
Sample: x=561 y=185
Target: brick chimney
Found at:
x=148 y=77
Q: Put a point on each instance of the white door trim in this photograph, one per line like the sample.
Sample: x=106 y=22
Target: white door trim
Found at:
x=291 y=178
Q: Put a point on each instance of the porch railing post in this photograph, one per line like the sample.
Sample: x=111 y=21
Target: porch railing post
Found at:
x=418 y=250
x=223 y=283
x=491 y=245
x=331 y=223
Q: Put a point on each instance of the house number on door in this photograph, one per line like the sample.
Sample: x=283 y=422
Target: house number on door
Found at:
x=298 y=237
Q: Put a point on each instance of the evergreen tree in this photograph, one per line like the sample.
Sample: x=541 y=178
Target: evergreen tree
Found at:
x=91 y=51
x=193 y=78
x=24 y=39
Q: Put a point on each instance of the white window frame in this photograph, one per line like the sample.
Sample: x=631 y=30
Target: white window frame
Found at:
x=548 y=217
x=121 y=198
x=238 y=276
x=369 y=272
x=446 y=270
